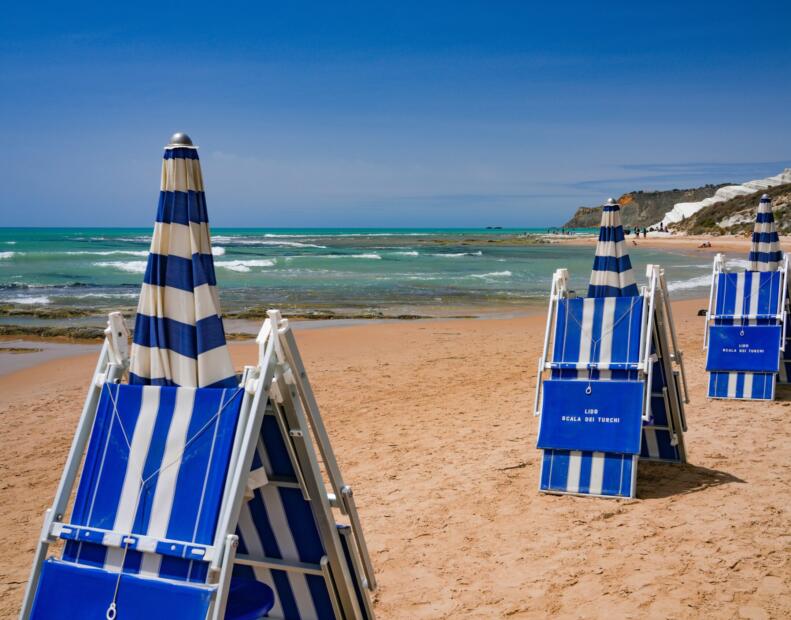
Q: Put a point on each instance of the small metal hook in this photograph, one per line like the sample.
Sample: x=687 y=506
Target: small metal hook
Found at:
x=111 y=612
x=588 y=390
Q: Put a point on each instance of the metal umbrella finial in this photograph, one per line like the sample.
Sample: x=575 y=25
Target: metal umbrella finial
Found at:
x=180 y=139
x=610 y=201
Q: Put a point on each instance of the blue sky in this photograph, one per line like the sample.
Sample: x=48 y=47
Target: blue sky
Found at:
x=386 y=114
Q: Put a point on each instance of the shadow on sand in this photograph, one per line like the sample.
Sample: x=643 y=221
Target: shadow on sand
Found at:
x=655 y=480
x=783 y=393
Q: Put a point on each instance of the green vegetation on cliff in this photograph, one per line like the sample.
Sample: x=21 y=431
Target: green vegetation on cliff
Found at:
x=642 y=208
x=736 y=216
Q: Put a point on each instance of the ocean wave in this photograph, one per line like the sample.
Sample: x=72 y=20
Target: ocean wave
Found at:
x=243 y=266
x=458 y=254
x=410 y=253
x=28 y=285
x=253 y=242
x=326 y=235
x=738 y=263
x=30 y=300
x=10 y=242
x=492 y=274
x=218 y=250
x=135 y=266
x=105 y=253
x=367 y=255
x=7 y=254
x=683 y=285
x=103 y=295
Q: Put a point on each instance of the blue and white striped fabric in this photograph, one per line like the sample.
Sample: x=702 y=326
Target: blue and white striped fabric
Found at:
x=612 y=274
x=155 y=469
x=278 y=523
x=765 y=254
x=595 y=338
x=179 y=337
x=750 y=293
x=658 y=443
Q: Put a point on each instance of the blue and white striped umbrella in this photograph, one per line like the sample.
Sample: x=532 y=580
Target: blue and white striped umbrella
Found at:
x=765 y=254
x=179 y=337
x=612 y=274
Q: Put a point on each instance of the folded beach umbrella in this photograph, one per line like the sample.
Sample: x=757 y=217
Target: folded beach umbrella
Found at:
x=765 y=254
x=612 y=274
x=179 y=337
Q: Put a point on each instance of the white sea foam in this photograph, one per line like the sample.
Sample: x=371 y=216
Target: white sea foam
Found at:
x=458 y=254
x=30 y=300
x=368 y=255
x=10 y=242
x=243 y=266
x=412 y=253
x=253 y=241
x=218 y=250
x=7 y=254
x=492 y=274
x=135 y=266
x=104 y=295
x=737 y=263
x=684 y=285
x=108 y=253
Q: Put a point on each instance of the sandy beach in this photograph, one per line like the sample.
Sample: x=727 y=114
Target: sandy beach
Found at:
x=431 y=422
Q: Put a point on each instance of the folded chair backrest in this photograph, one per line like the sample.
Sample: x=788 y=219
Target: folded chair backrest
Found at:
x=745 y=337
x=597 y=333
x=748 y=298
x=613 y=396
x=155 y=469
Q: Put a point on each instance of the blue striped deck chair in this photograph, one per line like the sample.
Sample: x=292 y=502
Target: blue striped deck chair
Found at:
x=202 y=502
x=747 y=336
x=613 y=392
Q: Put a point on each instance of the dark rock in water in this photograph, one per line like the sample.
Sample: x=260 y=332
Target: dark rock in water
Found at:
x=65 y=333
x=42 y=312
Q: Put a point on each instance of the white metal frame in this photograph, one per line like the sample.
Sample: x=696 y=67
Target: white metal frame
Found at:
x=277 y=385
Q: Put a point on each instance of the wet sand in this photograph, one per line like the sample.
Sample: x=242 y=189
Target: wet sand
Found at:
x=432 y=425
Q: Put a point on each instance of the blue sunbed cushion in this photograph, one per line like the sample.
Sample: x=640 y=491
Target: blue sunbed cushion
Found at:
x=71 y=592
x=600 y=416
x=754 y=348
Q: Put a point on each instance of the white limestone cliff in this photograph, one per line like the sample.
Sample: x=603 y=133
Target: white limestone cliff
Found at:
x=682 y=210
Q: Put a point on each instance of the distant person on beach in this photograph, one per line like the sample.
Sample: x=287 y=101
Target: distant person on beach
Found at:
x=645 y=233
x=705 y=244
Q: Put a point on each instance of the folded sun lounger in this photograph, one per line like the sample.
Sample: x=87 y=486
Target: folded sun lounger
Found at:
x=202 y=502
x=199 y=494
x=746 y=336
x=610 y=378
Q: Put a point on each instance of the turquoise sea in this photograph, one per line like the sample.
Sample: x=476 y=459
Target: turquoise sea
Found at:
x=430 y=272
